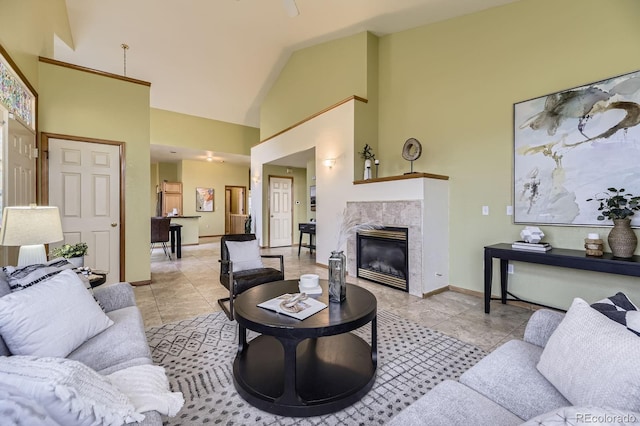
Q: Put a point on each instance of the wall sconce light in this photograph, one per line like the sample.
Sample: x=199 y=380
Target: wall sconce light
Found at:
x=329 y=162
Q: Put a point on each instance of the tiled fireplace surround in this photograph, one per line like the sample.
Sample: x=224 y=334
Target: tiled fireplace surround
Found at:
x=426 y=218
x=405 y=214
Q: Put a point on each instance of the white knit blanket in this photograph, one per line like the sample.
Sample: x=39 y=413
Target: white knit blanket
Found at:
x=69 y=389
x=147 y=387
x=66 y=386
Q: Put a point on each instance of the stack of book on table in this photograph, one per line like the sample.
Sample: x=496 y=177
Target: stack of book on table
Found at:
x=523 y=245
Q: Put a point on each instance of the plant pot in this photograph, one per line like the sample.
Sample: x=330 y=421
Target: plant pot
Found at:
x=622 y=239
x=77 y=261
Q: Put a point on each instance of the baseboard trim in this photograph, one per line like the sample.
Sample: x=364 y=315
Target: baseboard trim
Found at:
x=434 y=292
x=480 y=294
x=139 y=283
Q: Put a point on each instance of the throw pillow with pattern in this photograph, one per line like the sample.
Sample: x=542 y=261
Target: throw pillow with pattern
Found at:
x=26 y=276
x=620 y=309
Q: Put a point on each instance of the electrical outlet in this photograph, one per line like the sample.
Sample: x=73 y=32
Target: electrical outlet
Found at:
x=510 y=269
x=485 y=210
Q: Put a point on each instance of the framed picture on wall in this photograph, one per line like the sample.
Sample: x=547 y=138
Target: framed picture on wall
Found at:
x=312 y=195
x=570 y=146
x=204 y=199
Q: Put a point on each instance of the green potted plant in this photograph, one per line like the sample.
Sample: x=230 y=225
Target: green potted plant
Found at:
x=618 y=206
x=72 y=252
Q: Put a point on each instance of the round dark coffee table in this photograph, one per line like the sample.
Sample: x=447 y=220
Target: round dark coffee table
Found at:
x=309 y=367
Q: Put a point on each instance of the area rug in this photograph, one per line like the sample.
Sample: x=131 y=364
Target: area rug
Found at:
x=198 y=356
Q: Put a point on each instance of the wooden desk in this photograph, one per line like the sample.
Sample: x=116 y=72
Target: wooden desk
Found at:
x=307 y=228
x=574 y=259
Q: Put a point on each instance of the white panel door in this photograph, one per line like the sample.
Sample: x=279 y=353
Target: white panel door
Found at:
x=84 y=182
x=281 y=216
x=21 y=165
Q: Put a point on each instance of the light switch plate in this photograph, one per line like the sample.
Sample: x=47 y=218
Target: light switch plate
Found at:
x=485 y=210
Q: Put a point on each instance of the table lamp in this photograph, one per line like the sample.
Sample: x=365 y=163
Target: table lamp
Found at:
x=30 y=227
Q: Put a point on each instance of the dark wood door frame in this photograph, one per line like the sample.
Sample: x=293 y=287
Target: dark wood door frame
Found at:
x=43 y=180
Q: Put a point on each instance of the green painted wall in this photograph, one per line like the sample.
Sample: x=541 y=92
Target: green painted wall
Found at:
x=81 y=104
x=210 y=175
x=175 y=129
x=452 y=85
x=314 y=79
x=26 y=31
x=168 y=172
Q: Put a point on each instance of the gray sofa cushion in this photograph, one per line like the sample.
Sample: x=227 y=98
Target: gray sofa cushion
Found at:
x=574 y=415
x=509 y=377
x=541 y=326
x=451 y=404
x=122 y=345
x=115 y=296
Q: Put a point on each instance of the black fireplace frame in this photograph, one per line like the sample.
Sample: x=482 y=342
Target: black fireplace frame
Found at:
x=383 y=234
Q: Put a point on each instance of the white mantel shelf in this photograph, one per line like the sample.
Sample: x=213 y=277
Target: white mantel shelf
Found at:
x=402 y=177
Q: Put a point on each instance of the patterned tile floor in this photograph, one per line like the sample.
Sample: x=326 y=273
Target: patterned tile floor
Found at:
x=190 y=286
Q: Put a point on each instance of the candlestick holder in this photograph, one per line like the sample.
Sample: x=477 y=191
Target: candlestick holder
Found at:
x=594 y=245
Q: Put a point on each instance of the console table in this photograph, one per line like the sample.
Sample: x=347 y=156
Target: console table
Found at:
x=574 y=259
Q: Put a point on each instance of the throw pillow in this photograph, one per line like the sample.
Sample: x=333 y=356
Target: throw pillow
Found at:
x=620 y=309
x=244 y=255
x=68 y=390
x=52 y=318
x=592 y=360
x=26 y=276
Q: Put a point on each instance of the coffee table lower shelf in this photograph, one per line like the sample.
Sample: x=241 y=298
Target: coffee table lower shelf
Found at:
x=330 y=373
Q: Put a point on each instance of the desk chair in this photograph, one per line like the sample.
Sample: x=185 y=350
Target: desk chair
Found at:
x=160 y=233
x=238 y=279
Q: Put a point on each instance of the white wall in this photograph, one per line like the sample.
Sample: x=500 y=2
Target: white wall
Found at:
x=331 y=133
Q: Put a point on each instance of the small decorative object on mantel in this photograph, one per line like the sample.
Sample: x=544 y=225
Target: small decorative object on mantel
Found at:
x=411 y=151
x=338 y=261
x=377 y=163
x=368 y=155
x=593 y=245
x=619 y=206
x=74 y=253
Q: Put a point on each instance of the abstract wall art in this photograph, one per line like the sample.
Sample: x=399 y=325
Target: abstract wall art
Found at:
x=572 y=145
x=204 y=199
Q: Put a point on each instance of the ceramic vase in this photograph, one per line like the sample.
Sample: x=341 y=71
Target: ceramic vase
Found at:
x=367 y=169
x=622 y=239
x=337 y=277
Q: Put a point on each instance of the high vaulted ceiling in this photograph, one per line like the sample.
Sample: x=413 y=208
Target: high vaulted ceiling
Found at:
x=218 y=58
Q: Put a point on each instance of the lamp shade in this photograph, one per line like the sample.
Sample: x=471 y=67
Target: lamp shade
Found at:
x=30 y=225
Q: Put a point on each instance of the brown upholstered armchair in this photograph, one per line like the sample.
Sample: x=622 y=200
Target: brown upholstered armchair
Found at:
x=239 y=281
